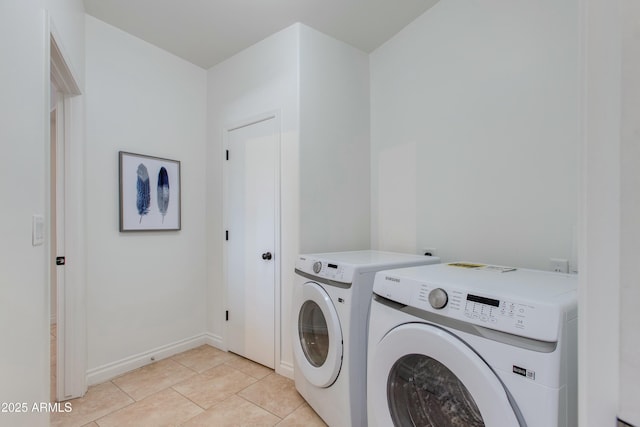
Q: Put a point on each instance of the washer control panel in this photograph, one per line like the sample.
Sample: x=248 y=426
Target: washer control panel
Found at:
x=512 y=315
x=491 y=310
x=438 y=298
x=325 y=269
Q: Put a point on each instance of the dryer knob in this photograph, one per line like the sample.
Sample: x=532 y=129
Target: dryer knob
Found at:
x=438 y=298
x=317 y=266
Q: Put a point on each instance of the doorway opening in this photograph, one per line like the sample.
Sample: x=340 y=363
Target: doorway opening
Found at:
x=68 y=337
x=54 y=230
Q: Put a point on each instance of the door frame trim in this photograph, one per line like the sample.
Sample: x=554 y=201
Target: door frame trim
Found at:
x=235 y=125
x=71 y=302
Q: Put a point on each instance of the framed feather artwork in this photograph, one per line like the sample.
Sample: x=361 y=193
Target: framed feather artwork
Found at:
x=149 y=193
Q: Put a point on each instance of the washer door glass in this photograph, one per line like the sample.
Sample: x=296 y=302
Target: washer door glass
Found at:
x=423 y=375
x=313 y=333
x=317 y=336
x=423 y=392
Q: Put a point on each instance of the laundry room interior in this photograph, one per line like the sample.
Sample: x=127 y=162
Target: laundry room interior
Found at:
x=493 y=132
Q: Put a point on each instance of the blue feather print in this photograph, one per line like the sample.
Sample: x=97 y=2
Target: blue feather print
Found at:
x=143 y=199
x=163 y=192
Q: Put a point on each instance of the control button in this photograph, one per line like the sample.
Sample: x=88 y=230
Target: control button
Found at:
x=438 y=298
x=317 y=266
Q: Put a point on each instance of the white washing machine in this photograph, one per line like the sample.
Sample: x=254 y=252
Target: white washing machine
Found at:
x=331 y=303
x=472 y=345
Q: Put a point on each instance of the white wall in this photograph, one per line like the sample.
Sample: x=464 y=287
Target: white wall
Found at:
x=260 y=79
x=334 y=145
x=67 y=19
x=474 y=118
x=24 y=290
x=145 y=291
x=599 y=286
x=319 y=87
x=630 y=212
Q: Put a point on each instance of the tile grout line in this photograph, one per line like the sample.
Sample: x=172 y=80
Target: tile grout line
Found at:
x=264 y=409
x=122 y=390
x=275 y=415
x=257 y=380
x=237 y=394
x=182 y=364
x=189 y=399
x=249 y=372
x=201 y=373
x=260 y=406
x=137 y=401
x=115 y=410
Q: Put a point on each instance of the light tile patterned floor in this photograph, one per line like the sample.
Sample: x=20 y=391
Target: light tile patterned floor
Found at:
x=200 y=387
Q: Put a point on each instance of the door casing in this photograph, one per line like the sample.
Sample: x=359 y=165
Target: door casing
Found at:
x=71 y=339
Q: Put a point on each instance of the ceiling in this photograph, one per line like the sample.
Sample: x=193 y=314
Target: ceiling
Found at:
x=206 y=32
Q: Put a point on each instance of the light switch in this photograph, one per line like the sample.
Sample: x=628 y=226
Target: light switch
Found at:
x=37 y=230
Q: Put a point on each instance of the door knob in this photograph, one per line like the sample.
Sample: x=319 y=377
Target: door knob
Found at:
x=266 y=256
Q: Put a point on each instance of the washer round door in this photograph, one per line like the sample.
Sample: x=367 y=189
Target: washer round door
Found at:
x=422 y=375
x=317 y=340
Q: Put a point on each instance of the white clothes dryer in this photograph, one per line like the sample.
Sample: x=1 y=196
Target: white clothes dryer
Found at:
x=469 y=345
x=331 y=303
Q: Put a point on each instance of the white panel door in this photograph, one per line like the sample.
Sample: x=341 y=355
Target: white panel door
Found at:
x=251 y=215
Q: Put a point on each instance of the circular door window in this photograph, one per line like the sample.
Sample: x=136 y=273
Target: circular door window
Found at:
x=317 y=345
x=423 y=392
x=313 y=333
x=423 y=375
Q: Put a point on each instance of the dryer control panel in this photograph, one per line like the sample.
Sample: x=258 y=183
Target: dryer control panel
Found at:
x=350 y=267
x=330 y=270
x=514 y=308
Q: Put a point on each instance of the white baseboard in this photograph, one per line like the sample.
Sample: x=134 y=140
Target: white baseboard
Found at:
x=111 y=370
x=285 y=369
x=215 y=341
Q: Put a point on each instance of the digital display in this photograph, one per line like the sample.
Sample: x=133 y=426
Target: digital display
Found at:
x=483 y=300
x=332 y=265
